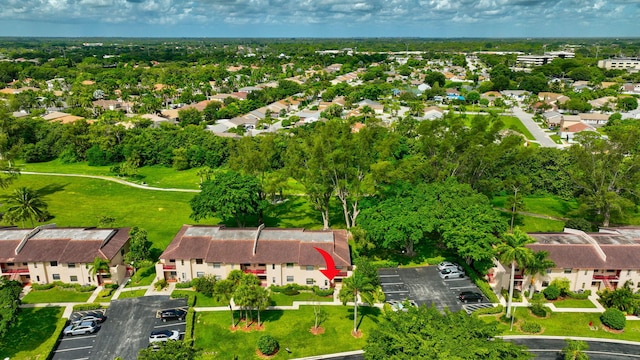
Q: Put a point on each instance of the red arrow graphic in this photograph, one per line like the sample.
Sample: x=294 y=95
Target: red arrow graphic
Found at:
x=331 y=270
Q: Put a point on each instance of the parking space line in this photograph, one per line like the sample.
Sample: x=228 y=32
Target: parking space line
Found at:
x=384 y=283
x=78 y=337
x=462 y=287
x=397 y=292
x=454 y=279
x=73 y=349
x=169 y=325
x=394 y=275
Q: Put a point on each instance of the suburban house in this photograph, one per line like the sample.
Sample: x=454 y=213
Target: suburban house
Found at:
x=276 y=256
x=570 y=126
x=47 y=253
x=591 y=261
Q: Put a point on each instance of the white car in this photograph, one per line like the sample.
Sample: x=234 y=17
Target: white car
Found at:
x=451 y=273
x=163 y=335
x=401 y=305
x=447 y=265
x=83 y=328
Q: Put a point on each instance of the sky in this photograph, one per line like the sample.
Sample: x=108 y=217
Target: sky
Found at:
x=321 y=18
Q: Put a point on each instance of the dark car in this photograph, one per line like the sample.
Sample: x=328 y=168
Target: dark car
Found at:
x=467 y=296
x=172 y=314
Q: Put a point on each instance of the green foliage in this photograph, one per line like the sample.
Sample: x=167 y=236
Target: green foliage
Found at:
x=184 y=285
x=621 y=298
x=434 y=335
x=189 y=324
x=290 y=292
x=139 y=247
x=579 y=224
x=531 y=327
x=268 y=345
x=204 y=285
x=538 y=310
x=323 y=293
x=36 y=286
x=168 y=350
x=25 y=204
x=551 y=292
x=489 y=311
x=89 y=306
x=574 y=350
x=579 y=296
x=563 y=284
x=537 y=297
x=9 y=302
x=613 y=318
x=160 y=284
x=481 y=283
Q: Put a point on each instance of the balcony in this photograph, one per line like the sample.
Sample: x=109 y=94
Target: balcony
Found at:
x=255 y=271
x=24 y=271
x=605 y=277
x=168 y=267
x=342 y=274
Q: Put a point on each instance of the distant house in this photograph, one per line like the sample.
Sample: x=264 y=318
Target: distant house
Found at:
x=518 y=95
x=61 y=117
x=568 y=130
x=594 y=119
x=552 y=118
x=432 y=113
x=377 y=107
x=605 y=101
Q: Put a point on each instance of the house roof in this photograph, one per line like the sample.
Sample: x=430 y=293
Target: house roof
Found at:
x=65 y=245
x=272 y=246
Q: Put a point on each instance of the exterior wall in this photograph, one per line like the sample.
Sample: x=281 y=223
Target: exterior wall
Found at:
x=581 y=279
x=38 y=273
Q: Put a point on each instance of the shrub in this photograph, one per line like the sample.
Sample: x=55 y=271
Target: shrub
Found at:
x=551 y=292
x=507 y=320
x=320 y=292
x=204 y=285
x=490 y=311
x=84 y=307
x=160 y=284
x=579 y=224
x=290 y=292
x=563 y=284
x=105 y=293
x=268 y=345
x=530 y=327
x=111 y=286
x=614 y=319
x=86 y=288
x=184 y=285
x=42 y=286
x=538 y=310
x=537 y=297
x=188 y=330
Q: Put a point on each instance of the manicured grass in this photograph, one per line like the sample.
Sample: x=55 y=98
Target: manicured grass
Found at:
x=56 y=166
x=104 y=299
x=569 y=324
x=55 y=295
x=290 y=328
x=513 y=123
x=201 y=299
x=574 y=303
x=556 y=139
x=280 y=299
x=534 y=224
x=142 y=277
x=131 y=294
x=33 y=335
x=549 y=205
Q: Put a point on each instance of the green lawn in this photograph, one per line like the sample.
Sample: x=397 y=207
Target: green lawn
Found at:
x=104 y=299
x=574 y=303
x=569 y=324
x=131 y=294
x=142 y=277
x=533 y=224
x=513 y=123
x=290 y=328
x=280 y=299
x=201 y=299
x=55 y=295
x=549 y=205
x=33 y=336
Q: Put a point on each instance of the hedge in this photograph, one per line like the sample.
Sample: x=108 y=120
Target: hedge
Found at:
x=579 y=296
x=614 y=319
x=89 y=306
x=481 y=283
x=191 y=298
x=60 y=284
x=489 y=311
x=538 y=310
x=530 y=327
x=184 y=285
x=190 y=322
x=320 y=292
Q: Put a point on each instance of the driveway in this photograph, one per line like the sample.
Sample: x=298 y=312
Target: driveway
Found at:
x=423 y=285
x=129 y=323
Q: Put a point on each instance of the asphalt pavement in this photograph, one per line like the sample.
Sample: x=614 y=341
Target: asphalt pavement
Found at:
x=527 y=120
x=549 y=348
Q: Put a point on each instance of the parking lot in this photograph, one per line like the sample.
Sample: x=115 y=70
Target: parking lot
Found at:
x=424 y=286
x=124 y=333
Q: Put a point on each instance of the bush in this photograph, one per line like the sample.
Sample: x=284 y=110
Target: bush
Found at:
x=614 y=319
x=507 y=320
x=84 y=307
x=563 y=284
x=320 y=292
x=86 y=288
x=268 y=345
x=537 y=297
x=184 y=285
x=580 y=224
x=490 y=311
x=204 y=285
x=551 y=292
x=42 y=286
x=530 y=327
x=290 y=292
x=538 y=310
x=111 y=286
x=160 y=284
x=188 y=330
x=105 y=293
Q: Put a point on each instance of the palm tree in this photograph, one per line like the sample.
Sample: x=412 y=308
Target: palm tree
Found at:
x=223 y=292
x=26 y=204
x=513 y=250
x=97 y=267
x=357 y=284
x=538 y=266
x=262 y=300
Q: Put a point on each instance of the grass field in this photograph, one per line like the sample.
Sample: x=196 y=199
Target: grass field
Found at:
x=550 y=205
x=532 y=224
x=513 y=123
x=290 y=328
x=55 y=295
x=201 y=299
x=574 y=324
x=574 y=303
x=142 y=277
x=131 y=294
x=32 y=337
x=279 y=299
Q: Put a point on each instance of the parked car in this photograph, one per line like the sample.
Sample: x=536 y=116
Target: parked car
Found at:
x=83 y=328
x=172 y=314
x=467 y=296
x=451 y=273
x=92 y=316
x=447 y=265
x=401 y=305
x=163 y=335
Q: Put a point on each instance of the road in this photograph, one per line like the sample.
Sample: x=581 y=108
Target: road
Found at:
x=527 y=120
x=548 y=347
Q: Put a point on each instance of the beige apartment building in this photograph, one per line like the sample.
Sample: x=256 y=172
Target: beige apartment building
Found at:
x=47 y=253
x=591 y=261
x=276 y=256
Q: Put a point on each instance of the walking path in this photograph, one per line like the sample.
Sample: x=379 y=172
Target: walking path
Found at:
x=116 y=180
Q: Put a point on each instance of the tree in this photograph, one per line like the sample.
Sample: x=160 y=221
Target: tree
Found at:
x=205 y=285
x=139 y=246
x=190 y=116
x=538 y=265
x=229 y=195
x=223 y=292
x=168 y=350
x=426 y=333
x=357 y=285
x=627 y=103
x=513 y=251
x=9 y=303
x=621 y=298
x=25 y=204
x=574 y=350
x=98 y=266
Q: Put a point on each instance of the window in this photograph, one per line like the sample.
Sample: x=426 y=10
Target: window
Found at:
x=56 y=276
x=548 y=271
x=545 y=283
x=10 y=264
x=568 y=271
x=199 y=261
x=217 y=266
x=71 y=265
x=585 y=272
x=583 y=285
x=218 y=277
x=172 y=260
x=73 y=278
x=181 y=262
x=121 y=252
x=38 y=279
x=35 y=265
x=326 y=283
x=200 y=274
x=310 y=281
x=594 y=283
x=273 y=266
x=88 y=278
x=289 y=278
x=262 y=265
x=628 y=272
x=273 y=280
x=24 y=264
x=53 y=263
x=289 y=265
x=310 y=268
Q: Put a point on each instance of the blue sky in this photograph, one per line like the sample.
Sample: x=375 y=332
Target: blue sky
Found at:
x=320 y=18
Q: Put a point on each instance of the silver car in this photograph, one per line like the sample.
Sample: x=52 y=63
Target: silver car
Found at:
x=83 y=328
x=447 y=265
x=451 y=273
x=164 y=335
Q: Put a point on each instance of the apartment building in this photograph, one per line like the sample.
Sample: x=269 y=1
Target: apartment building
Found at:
x=537 y=60
x=276 y=256
x=591 y=261
x=629 y=64
x=47 y=253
